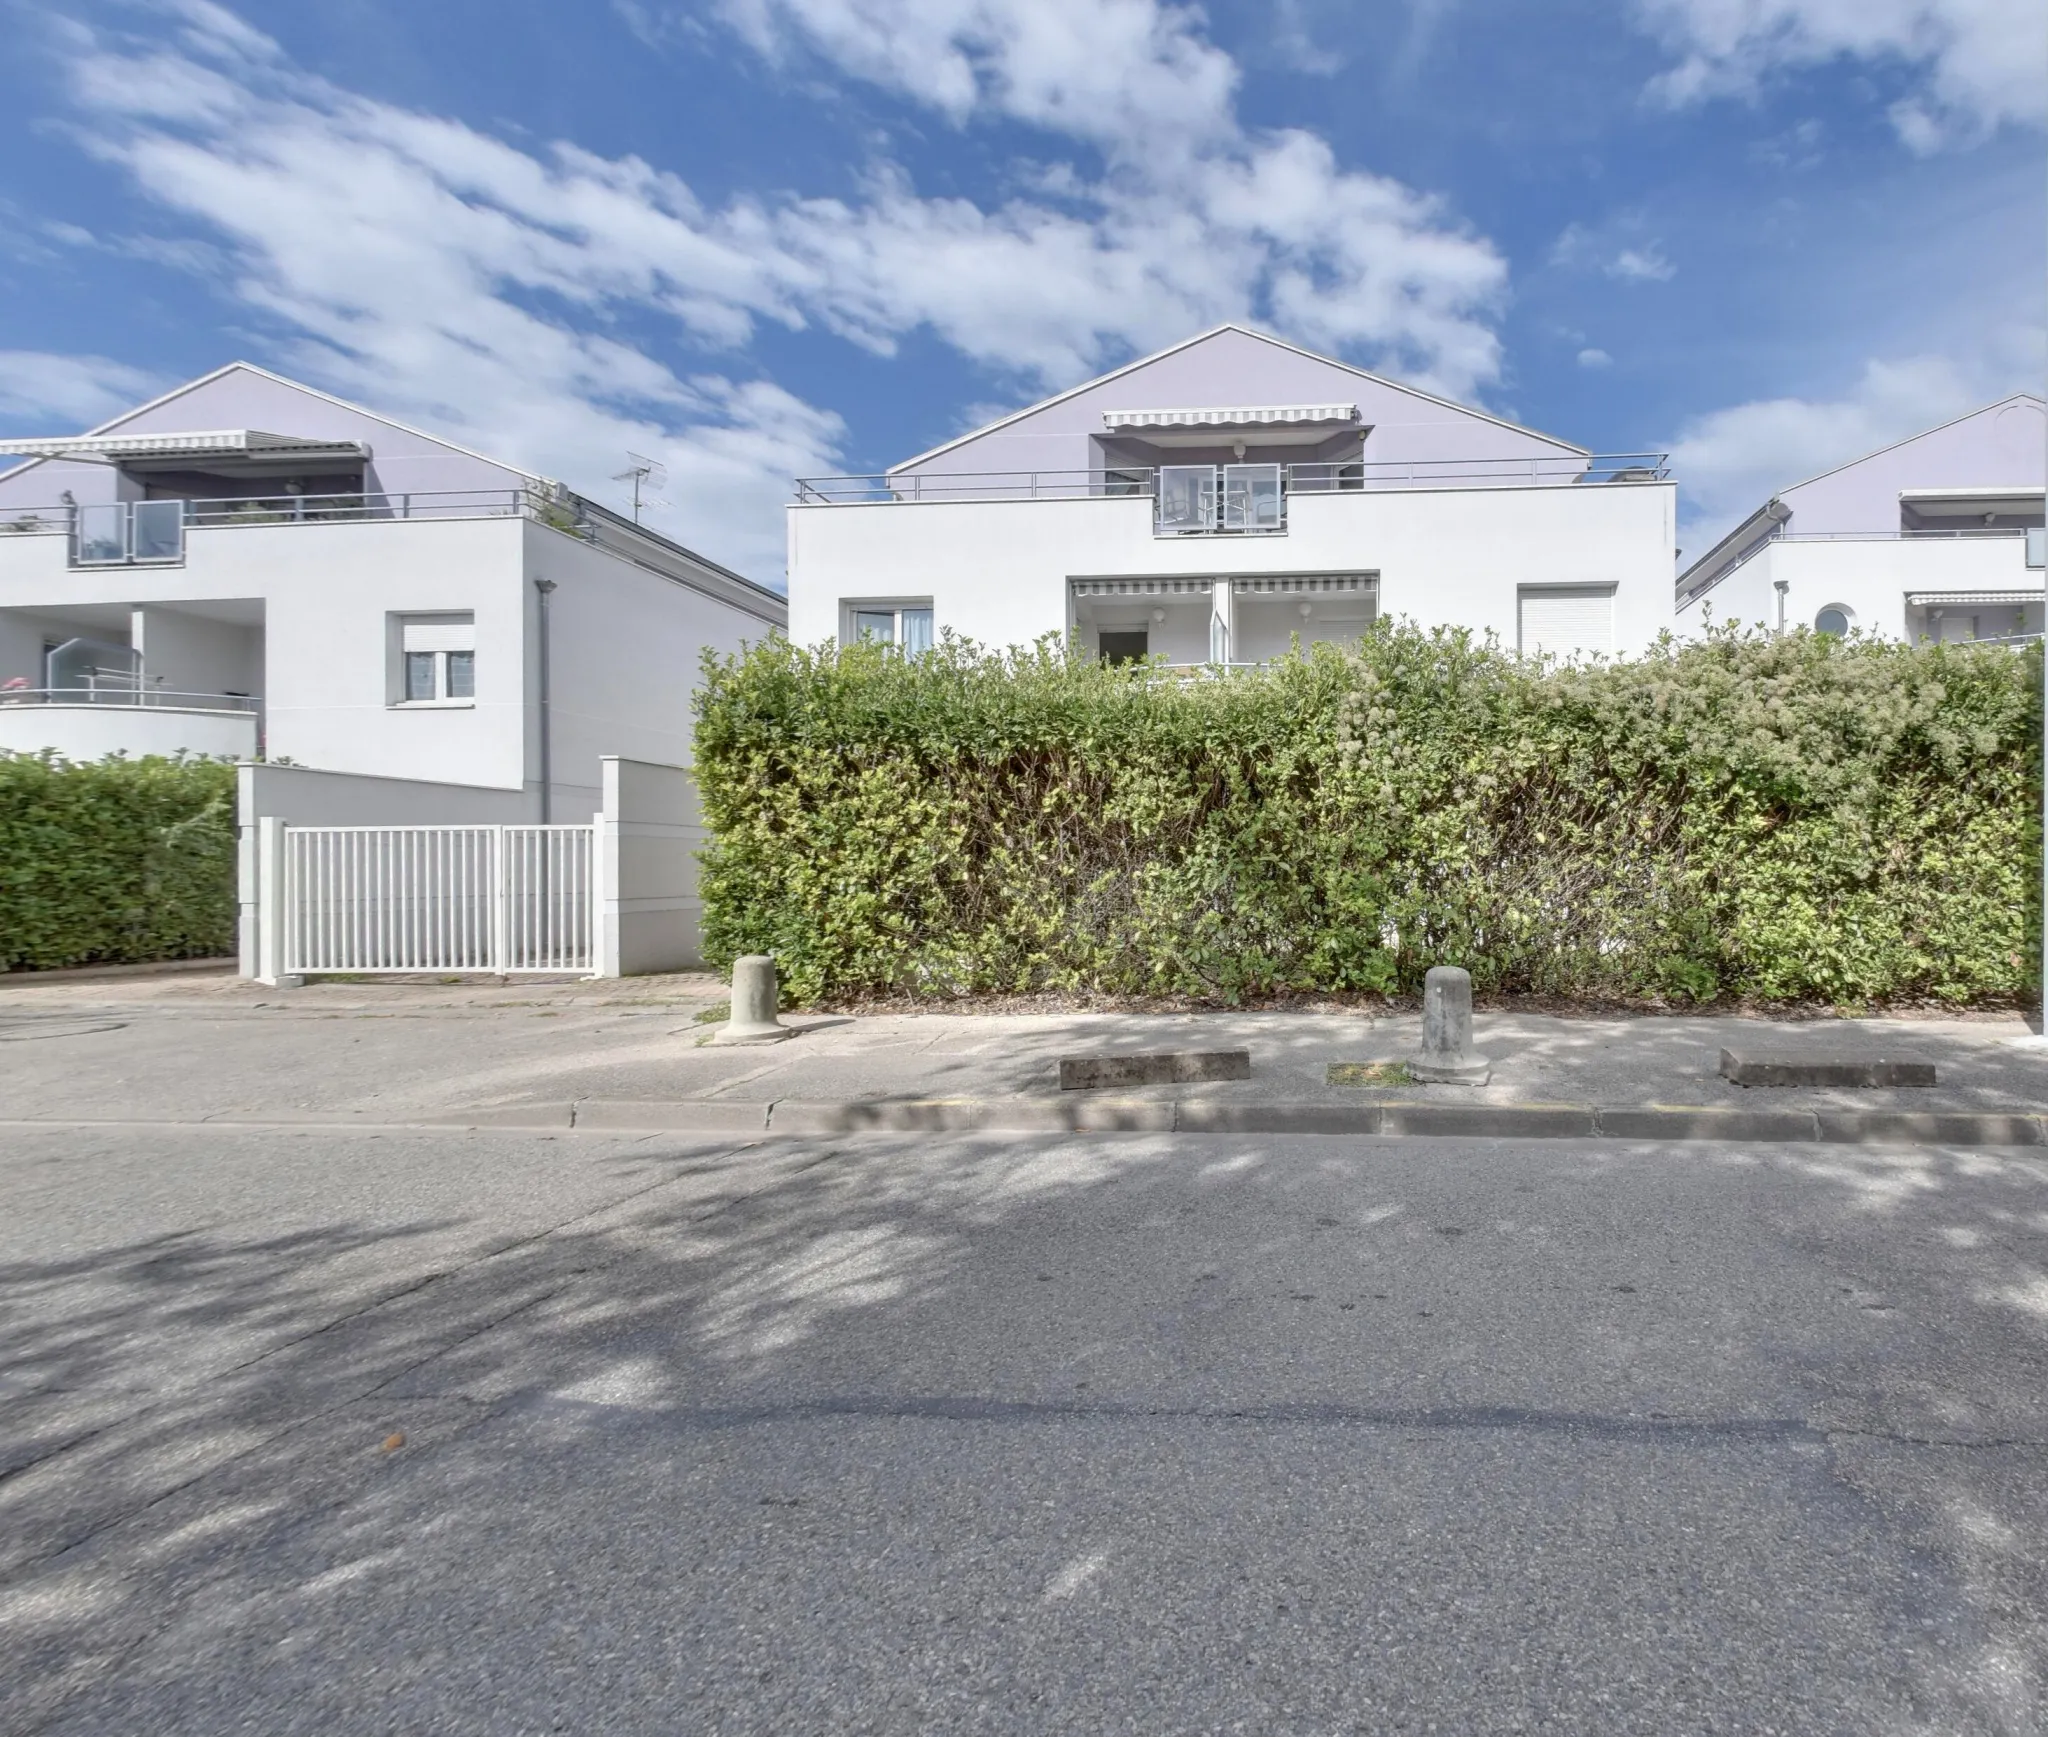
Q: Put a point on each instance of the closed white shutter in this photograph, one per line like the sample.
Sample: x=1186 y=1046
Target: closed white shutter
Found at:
x=440 y=633
x=1568 y=618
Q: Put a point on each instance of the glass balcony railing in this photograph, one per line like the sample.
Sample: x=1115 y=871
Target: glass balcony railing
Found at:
x=129 y=534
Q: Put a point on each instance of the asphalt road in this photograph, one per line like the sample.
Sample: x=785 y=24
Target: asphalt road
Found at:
x=1018 y=1435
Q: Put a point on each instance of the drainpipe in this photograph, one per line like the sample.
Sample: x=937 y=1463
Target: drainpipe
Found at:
x=547 y=759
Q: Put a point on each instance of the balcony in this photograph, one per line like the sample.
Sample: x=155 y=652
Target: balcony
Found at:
x=94 y=718
x=1230 y=499
x=153 y=533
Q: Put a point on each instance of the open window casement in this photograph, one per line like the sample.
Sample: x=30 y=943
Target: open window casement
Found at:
x=1251 y=497
x=1187 y=499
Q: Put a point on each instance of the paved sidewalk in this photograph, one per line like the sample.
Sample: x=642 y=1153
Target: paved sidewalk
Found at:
x=632 y=1054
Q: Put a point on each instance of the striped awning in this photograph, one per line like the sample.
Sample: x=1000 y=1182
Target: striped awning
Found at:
x=1232 y=416
x=207 y=443
x=1142 y=587
x=1306 y=584
x=1958 y=599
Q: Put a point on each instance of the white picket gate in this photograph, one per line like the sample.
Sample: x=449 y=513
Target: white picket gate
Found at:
x=503 y=899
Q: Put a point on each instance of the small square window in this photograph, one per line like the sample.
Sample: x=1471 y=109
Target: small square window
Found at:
x=434 y=659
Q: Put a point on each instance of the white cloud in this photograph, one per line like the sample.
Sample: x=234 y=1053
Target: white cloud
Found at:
x=1729 y=462
x=1633 y=261
x=64 y=394
x=494 y=292
x=1595 y=359
x=1641 y=265
x=1980 y=63
x=1191 y=219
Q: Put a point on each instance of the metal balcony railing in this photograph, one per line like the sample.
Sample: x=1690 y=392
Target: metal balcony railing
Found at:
x=153 y=533
x=1230 y=498
x=104 y=693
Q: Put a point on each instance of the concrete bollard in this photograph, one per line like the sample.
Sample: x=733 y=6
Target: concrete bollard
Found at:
x=1447 y=1057
x=754 y=1002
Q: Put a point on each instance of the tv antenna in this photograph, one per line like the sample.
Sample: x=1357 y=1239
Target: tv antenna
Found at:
x=648 y=476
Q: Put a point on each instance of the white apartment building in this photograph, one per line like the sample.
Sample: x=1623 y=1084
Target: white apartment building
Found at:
x=1928 y=539
x=248 y=566
x=1214 y=502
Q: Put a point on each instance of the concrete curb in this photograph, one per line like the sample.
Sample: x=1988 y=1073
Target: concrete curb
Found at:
x=798 y=1118
x=1657 y=1122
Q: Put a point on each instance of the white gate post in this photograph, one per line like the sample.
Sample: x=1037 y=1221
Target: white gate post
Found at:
x=604 y=895
x=273 y=905
x=501 y=900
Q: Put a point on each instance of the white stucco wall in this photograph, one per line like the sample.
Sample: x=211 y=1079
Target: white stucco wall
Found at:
x=192 y=654
x=624 y=654
x=998 y=571
x=93 y=732
x=1870 y=576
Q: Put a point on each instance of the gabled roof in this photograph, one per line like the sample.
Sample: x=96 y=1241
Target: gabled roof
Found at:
x=1202 y=338
x=177 y=392
x=1893 y=446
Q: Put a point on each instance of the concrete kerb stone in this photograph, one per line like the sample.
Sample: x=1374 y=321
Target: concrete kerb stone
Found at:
x=714 y=1116
x=1702 y=1122
x=1171 y=1068
x=1020 y=1116
x=1792 y=1068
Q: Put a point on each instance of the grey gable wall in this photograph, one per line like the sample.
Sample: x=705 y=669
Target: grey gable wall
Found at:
x=1234 y=367
x=401 y=462
x=2000 y=446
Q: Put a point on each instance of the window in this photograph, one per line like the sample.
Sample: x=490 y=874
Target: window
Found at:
x=1833 y=620
x=907 y=626
x=1123 y=644
x=437 y=660
x=1566 y=620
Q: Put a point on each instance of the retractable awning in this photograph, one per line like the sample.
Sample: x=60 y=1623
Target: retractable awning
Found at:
x=1231 y=416
x=245 y=444
x=1957 y=599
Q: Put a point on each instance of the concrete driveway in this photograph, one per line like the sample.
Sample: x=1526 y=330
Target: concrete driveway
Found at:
x=1017 y=1434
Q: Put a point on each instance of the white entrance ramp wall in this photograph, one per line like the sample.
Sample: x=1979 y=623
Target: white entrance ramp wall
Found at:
x=649 y=831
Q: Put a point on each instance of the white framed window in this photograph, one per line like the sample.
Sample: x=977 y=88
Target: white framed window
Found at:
x=905 y=623
x=1836 y=620
x=436 y=660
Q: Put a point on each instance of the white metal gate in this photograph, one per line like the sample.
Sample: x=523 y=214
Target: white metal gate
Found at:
x=439 y=898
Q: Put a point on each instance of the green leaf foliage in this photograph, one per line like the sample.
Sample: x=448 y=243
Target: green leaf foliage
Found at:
x=115 y=861
x=1789 y=818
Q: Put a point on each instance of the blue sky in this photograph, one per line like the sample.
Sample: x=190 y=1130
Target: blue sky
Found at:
x=763 y=238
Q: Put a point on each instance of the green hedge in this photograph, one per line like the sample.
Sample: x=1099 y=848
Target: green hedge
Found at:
x=117 y=860
x=1773 y=819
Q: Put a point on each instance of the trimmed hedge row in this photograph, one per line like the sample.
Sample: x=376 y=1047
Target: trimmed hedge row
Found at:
x=1774 y=819
x=115 y=861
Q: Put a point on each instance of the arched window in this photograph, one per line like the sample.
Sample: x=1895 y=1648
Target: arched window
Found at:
x=1834 y=619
